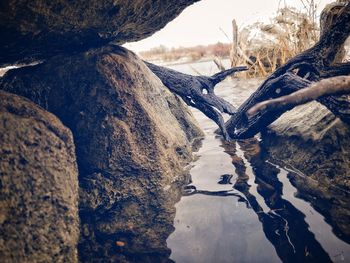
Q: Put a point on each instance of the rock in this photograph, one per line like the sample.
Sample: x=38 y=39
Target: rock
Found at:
x=36 y=30
x=310 y=139
x=132 y=138
x=39 y=185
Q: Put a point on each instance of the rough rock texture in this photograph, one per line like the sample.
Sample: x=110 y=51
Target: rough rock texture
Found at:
x=38 y=185
x=37 y=29
x=310 y=139
x=132 y=139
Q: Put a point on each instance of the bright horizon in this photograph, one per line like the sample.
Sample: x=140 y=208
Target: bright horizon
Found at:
x=209 y=21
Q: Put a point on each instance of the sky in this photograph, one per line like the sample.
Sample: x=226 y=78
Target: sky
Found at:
x=204 y=22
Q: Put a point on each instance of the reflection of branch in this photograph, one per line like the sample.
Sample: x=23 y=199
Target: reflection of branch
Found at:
x=332 y=86
x=192 y=190
x=283 y=224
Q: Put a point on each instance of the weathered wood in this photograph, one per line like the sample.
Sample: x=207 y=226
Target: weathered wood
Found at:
x=311 y=65
x=198 y=91
x=271 y=89
x=234 y=46
x=331 y=86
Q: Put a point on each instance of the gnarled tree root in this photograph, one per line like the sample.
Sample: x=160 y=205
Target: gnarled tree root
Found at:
x=198 y=91
x=314 y=64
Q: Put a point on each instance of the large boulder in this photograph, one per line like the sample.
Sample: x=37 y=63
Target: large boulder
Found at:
x=132 y=136
x=314 y=142
x=39 y=185
x=36 y=29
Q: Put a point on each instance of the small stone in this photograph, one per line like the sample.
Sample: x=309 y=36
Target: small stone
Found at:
x=120 y=243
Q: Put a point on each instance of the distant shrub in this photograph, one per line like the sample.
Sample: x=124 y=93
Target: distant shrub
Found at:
x=161 y=53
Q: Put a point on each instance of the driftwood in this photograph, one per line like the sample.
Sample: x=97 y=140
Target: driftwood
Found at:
x=331 y=86
x=314 y=64
x=198 y=91
x=273 y=97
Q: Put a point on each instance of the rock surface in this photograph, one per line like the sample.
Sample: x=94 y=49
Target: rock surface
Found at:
x=132 y=139
x=37 y=29
x=39 y=185
x=310 y=139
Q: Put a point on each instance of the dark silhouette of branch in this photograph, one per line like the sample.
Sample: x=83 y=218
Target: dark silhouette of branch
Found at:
x=318 y=62
x=198 y=91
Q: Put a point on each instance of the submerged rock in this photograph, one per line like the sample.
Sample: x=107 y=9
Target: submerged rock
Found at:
x=132 y=139
x=313 y=141
x=39 y=185
x=36 y=29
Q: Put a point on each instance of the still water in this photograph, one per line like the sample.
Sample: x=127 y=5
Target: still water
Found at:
x=238 y=205
x=241 y=206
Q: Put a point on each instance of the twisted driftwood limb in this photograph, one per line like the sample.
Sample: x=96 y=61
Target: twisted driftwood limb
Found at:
x=331 y=86
x=313 y=64
x=198 y=91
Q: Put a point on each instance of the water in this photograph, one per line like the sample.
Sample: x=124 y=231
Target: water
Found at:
x=238 y=206
x=241 y=206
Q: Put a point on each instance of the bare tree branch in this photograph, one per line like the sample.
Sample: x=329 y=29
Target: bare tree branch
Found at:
x=331 y=86
x=198 y=91
x=314 y=64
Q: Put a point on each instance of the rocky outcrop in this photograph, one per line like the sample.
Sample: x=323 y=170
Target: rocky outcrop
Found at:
x=132 y=136
x=39 y=185
x=310 y=139
x=36 y=29
x=132 y=139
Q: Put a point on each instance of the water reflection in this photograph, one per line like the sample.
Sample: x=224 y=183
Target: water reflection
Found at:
x=213 y=221
x=239 y=207
x=242 y=207
x=283 y=224
x=192 y=190
x=296 y=231
x=133 y=229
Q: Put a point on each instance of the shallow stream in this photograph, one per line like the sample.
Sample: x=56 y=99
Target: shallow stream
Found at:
x=241 y=206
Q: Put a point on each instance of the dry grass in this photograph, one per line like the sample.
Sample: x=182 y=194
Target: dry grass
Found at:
x=293 y=31
x=190 y=53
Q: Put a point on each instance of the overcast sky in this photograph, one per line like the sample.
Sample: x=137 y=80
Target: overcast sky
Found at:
x=203 y=22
